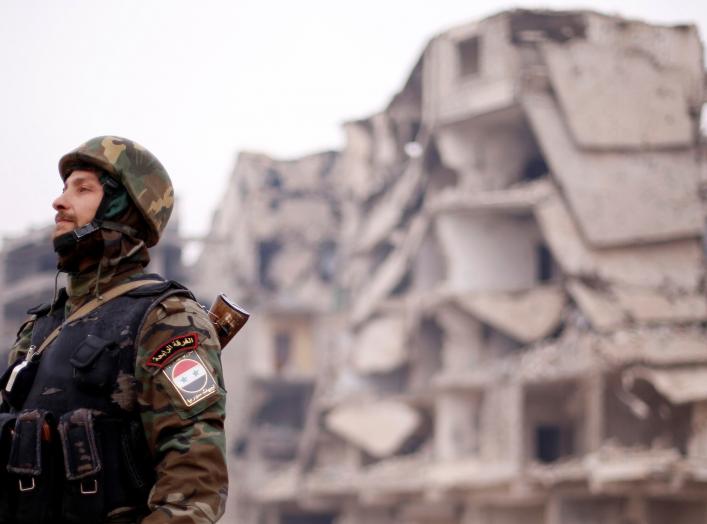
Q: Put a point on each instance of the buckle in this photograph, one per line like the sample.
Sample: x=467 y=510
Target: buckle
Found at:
x=89 y=491
x=82 y=231
x=26 y=488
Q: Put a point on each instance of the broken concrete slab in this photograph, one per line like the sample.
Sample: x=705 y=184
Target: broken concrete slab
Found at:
x=518 y=199
x=675 y=49
x=612 y=465
x=676 y=264
x=470 y=473
x=387 y=214
x=618 y=98
x=656 y=346
x=390 y=273
x=380 y=428
x=527 y=316
x=380 y=345
x=651 y=306
x=653 y=197
x=610 y=308
x=680 y=385
x=569 y=470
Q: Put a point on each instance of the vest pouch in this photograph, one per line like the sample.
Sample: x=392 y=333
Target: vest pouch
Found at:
x=83 y=500
x=7 y=499
x=95 y=363
x=32 y=468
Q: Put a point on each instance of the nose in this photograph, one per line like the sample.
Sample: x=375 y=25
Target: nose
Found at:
x=59 y=203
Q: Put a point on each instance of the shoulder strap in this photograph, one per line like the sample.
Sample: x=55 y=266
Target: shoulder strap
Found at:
x=90 y=306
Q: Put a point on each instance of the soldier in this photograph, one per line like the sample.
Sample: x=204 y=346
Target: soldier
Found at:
x=114 y=403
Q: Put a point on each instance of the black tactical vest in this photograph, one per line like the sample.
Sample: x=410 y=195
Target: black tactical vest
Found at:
x=78 y=449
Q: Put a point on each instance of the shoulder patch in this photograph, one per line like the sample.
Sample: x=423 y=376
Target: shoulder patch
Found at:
x=166 y=352
x=191 y=378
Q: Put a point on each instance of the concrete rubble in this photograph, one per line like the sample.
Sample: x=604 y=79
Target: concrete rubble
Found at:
x=489 y=307
x=379 y=428
x=541 y=306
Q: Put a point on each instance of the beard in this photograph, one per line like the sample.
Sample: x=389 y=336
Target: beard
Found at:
x=77 y=255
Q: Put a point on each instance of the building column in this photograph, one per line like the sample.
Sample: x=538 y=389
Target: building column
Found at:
x=456 y=425
x=697 y=445
x=594 y=388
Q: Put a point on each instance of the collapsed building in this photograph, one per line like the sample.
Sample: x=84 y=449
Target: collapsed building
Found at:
x=490 y=306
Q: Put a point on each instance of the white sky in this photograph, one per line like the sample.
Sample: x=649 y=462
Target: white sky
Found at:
x=198 y=81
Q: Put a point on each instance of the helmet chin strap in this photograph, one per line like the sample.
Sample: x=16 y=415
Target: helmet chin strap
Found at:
x=69 y=242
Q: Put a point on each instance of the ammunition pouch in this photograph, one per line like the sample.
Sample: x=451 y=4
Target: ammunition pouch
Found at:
x=83 y=495
x=32 y=467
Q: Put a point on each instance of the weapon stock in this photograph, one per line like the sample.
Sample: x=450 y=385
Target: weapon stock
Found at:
x=227 y=317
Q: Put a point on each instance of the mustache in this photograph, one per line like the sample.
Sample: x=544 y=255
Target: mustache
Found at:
x=63 y=216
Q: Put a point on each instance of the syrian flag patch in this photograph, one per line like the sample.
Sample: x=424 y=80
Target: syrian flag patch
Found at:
x=191 y=378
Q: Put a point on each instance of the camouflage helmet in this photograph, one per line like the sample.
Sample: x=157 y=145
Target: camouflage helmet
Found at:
x=138 y=170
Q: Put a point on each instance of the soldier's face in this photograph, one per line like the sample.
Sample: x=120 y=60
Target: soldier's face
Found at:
x=78 y=202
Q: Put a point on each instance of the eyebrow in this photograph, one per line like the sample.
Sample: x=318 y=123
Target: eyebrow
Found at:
x=79 y=179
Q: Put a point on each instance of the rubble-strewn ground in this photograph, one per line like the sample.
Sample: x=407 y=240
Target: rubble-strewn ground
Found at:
x=490 y=306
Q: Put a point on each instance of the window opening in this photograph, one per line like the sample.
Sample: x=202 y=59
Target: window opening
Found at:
x=469 y=56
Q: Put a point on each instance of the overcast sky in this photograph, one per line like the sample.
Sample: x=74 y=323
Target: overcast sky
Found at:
x=198 y=81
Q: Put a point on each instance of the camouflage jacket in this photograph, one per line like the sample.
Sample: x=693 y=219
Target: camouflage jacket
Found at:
x=185 y=433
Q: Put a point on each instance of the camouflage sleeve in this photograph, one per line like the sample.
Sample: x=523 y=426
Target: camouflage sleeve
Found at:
x=22 y=343
x=182 y=406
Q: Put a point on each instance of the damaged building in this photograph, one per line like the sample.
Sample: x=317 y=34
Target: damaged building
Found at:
x=489 y=307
